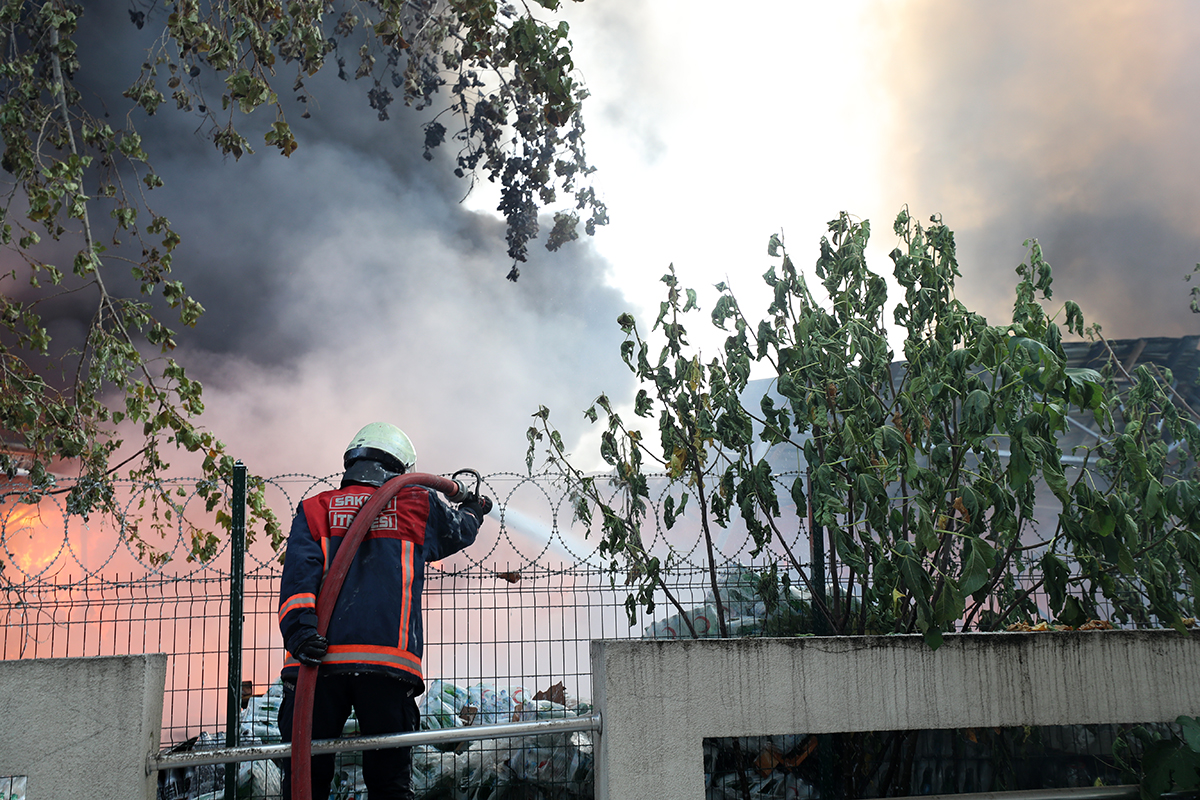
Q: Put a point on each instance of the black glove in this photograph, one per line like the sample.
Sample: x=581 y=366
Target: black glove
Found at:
x=477 y=506
x=312 y=650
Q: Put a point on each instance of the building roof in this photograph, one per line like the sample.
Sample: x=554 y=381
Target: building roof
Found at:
x=1177 y=354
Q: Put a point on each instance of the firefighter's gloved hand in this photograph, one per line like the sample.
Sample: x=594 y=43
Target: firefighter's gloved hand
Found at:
x=477 y=506
x=312 y=650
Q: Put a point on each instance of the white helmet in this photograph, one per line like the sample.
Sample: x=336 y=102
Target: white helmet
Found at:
x=384 y=443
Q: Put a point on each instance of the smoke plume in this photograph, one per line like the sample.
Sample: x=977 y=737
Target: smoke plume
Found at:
x=347 y=284
x=1072 y=123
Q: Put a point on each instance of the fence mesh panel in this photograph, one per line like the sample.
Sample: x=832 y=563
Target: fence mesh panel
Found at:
x=507 y=626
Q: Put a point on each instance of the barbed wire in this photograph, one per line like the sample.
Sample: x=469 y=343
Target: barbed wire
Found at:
x=537 y=526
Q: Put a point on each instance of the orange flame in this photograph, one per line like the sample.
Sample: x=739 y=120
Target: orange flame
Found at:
x=29 y=542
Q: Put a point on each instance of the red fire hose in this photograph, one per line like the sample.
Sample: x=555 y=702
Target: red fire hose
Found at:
x=331 y=587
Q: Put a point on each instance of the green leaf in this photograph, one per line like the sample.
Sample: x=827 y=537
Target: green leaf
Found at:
x=1020 y=466
x=735 y=429
x=1073 y=613
x=870 y=490
x=1125 y=561
x=608 y=448
x=1057 y=481
x=773 y=246
x=1154 y=498
x=977 y=414
x=951 y=603
x=723 y=310
x=914 y=576
x=978 y=559
x=848 y=550
x=799 y=496
x=1055 y=573
x=1034 y=350
x=927 y=538
x=1108 y=522
x=642 y=405
x=1189 y=728
x=1085 y=387
x=890 y=442
x=1168 y=766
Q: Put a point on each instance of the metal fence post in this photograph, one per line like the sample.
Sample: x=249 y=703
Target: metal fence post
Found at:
x=826 y=777
x=237 y=550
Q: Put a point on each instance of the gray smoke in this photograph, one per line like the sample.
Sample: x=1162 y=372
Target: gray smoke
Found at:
x=1072 y=123
x=347 y=284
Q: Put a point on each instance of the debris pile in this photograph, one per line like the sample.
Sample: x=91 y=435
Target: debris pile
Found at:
x=255 y=779
x=755 y=604
x=550 y=765
x=556 y=766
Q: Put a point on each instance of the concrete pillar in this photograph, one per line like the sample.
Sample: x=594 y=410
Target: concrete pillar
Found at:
x=82 y=728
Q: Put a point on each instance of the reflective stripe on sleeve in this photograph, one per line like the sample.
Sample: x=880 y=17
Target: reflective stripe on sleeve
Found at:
x=305 y=600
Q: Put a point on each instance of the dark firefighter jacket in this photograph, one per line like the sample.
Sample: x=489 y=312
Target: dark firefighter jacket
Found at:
x=376 y=622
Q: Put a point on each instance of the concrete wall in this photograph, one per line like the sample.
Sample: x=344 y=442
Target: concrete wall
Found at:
x=660 y=699
x=81 y=728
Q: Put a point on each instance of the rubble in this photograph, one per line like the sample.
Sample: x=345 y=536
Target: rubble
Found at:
x=549 y=765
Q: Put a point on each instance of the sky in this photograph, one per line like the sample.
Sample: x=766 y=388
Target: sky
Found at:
x=352 y=283
x=1070 y=122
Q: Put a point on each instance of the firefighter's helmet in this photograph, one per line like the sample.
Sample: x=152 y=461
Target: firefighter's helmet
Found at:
x=384 y=443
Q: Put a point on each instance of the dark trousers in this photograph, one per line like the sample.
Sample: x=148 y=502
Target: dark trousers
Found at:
x=383 y=705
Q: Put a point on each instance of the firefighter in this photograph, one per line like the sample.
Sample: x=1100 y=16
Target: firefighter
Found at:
x=371 y=657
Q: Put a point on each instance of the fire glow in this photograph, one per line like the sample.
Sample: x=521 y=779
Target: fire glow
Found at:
x=27 y=541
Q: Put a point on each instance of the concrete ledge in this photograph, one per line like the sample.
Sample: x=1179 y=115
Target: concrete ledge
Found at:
x=660 y=699
x=81 y=728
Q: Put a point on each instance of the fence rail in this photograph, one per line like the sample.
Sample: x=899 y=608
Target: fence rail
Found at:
x=233 y=755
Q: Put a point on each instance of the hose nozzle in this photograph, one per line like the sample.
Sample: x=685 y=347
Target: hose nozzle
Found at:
x=464 y=493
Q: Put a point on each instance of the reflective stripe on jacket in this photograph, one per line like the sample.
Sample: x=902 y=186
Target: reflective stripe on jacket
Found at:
x=376 y=623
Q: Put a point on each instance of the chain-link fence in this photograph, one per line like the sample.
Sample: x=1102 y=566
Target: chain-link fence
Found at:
x=507 y=625
x=507 y=628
